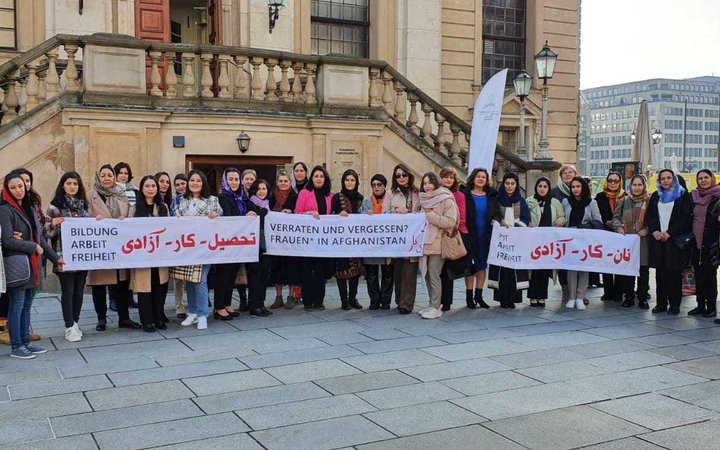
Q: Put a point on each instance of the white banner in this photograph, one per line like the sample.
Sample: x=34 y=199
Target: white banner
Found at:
x=565 y=248
x=158 y=242
x=358 y=235
x=486 y=122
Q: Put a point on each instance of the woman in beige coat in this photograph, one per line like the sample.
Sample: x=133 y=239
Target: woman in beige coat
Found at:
x=151 y=284
x=442 y=215
x=108 y=201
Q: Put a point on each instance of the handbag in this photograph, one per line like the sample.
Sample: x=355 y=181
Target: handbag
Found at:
x=688 y=281
x=451 y=245
x=17 y=270
x=192 y=274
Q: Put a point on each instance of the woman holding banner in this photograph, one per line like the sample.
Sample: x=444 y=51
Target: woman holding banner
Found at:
x=180 y=184
x=706 y=254
x=315 y=199
x=513 y=211
x=348 y=270
x=545 y=211
x=562 y=192
x=480 y=206
x=197 y=201
x=630 y=218
x=581 y=211
x=378 y=274
x=608 y=201
x=670 y=224
x=107 y=200
x=403 y=198
x=442 y=216
x=70 y=201
x=163 y=179
x=259 y=272
x=283 y=199
x=151 y=284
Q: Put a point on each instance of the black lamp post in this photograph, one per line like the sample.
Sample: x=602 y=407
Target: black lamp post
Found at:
x=545 y=66
x=522 y=83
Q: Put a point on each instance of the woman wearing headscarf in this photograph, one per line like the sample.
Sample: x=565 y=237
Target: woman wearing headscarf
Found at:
x=513 y=211
x=630 y=218
x=480 y=208
x=705 y=254
x=348 y=270
x=670 y=224
x=315 y=199
x=108 y=201
x=285 y=270
x=180 y=184
x=259 y=272
x=562 y=192
x=581 y=211
x=378 y=274
x=545 y=211
x=403 y=198
x=607 y=201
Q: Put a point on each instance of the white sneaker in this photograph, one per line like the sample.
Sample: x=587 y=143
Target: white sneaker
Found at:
x=422 y=311
x=579 y=304
x=71 y=335
x=189 y=320
x=77 y=329
x=432 y=313
x=202 y=323
x=571 y=303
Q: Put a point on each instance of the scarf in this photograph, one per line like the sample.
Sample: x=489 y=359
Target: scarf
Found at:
x=435 y=197
x=238 y=196
x=565 y=189
x=353 y=196
x=702 y=199
x=577 y=212
x=544 y=202
x=260 y=203
x=29 y=216
x=321 y=202
x=614 y=198
x=73 y=207
x=113 y=197
x=377 y=204
x=300 y=185
x=672 y=194
x=281 y=197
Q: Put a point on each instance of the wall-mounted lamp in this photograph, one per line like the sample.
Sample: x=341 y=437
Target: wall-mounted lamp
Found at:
x=243 y=141
x=80 y=7
x=274 y=7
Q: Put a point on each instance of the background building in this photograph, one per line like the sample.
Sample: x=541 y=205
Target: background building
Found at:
x=685 y=111
x=403 y=88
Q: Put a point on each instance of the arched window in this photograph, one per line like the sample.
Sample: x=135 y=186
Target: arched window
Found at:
x=340 y=27
x=504 y=37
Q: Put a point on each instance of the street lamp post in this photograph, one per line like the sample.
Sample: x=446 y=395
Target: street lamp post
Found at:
x=545 y=64
x=522 y=83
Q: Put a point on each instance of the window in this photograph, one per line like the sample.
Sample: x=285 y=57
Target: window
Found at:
x=340 y=26
x=7 y=24
x=503 y=38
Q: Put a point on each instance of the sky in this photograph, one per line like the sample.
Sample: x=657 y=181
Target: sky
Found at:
x=631 y=40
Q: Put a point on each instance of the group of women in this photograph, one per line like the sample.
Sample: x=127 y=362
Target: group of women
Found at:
x=676 y=229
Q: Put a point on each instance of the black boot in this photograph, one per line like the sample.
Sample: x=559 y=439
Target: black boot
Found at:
x=469 y=299
x=479 y=299
x=710 y=310
x=374 y=305
x=242 y=292
x=345 y=305
x=355 y=304
x=700 y=309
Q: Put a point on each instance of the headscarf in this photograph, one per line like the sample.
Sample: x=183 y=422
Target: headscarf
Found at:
x=238 y=196
x=642 y=197
x=702 y=199
x=634 y=216
x=578 y=206
x=613 y=197
x=354 y=196
x=672 y=194
x=377 y=202
x=544 y=202
x=25 y=211
x=508 y=200
x=113 y=196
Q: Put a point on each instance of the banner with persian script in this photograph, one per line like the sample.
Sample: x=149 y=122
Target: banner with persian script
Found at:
x=89 y=244
x=565 y=248
x=357 y=235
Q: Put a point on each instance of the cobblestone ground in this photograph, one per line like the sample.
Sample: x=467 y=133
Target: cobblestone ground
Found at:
x=608 y=377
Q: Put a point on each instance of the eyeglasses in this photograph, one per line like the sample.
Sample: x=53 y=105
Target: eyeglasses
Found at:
x=400 y=175
x=376 y=184
x=613 y=181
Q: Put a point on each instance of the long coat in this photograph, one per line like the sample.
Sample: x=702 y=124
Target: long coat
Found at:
x=96 y=207
x=493 y=209
x=667 y=255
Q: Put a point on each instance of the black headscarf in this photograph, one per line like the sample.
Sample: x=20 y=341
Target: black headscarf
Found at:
x=578 y=206
x=354 y=196
x=508 y=200
x=544 y=202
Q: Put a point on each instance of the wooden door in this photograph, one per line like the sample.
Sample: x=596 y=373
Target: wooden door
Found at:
x=214 y=17
x=152 y=23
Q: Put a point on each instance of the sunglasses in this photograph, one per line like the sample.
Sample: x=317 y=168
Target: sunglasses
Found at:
x=376 y=184
x=400 y=175
x=613 y=181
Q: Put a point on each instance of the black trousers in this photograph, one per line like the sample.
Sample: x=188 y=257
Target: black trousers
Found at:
x=446 y=288
x=669 y=288
x=610 y=285
x=379 y=278
x=225 y=283
x=151 y=305
x=4 y=304
x=258 y=279
x=348 y=288
x=72 y=285
x=706 y=286
x=539 y=284
x=626 y=285
x=562 y=277
x=120 y=292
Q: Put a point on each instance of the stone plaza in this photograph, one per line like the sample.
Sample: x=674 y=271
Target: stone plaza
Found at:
x=604 y=378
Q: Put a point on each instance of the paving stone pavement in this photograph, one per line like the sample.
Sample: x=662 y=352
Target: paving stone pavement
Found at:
x=604 y=378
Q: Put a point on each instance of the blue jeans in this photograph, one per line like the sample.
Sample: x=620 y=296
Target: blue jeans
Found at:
x=19 y=316
x=197 y=294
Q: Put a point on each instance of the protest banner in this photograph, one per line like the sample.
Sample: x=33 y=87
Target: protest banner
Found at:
x=565 y=248
x=358 y=235
x=486 y=123
x=89 y=244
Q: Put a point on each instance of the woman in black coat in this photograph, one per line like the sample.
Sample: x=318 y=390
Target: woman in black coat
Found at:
x=669 y=221
x=285 y=269
x=705 y=252
x=607 y=201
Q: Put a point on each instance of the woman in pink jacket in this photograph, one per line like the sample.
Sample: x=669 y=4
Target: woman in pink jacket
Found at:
x=315 y=200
